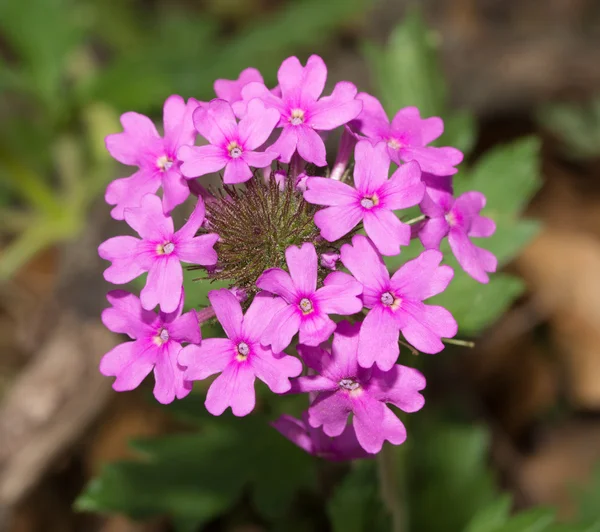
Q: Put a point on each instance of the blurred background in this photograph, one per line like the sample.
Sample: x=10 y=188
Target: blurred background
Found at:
x=513 y=423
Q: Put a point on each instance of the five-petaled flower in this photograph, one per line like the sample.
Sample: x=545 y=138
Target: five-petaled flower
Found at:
x=240 y=358
x=157 y=340
x=407 y=136
x=373 y=199
x=156 y=158
x=302 y=112
x=306 y=308
x=396 y=303
x=344 y=387
x=232 y=145
x=460 y=219
x=159 y=252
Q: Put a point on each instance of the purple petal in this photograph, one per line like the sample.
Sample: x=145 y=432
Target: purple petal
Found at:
x=302 y=264
x=344 y=359
x=466 y=208
x=372 y=166
x=339 y=108
x=259 y=314
x=198 y=250
x=438 y=161
x=234 y=388
x=201 y=160
x=326 y=191
x=127 y=316
x=482 y=226
x=339 y=295
x=404 y=189
x=306 y=83
x=209 y=358
x=365 y=265
x=378 y=339
x=194 y=222
x=228 y=311
x=368 y=422
x=432 y=232
x=139 y=138
x=473 y=259
x=386 y=231
x=149 y=220
x=294 y=430
x=175 y=189
x=259 y=90
x=257 y=125
x=400 y=386
x=130 y=362
x=425 y=325
x=124 y=252
x=286 y=144
x=236 y=171
x=231 y=90
x=372 y=437
x=427 y=129
x=310 y=145
x=186 y=328
x=316 y=328
x=168 y=376
x=259 y=159
x=344 y=447
x=274 y=371
x=177 y=119
x=330 y=410
x=313 y=383
x=373 y=121
x=336 y=222
x=422 y=277
x=313 y=356
x=278 y=282
x=216 y=122
x=282 y=328
x=164 y=284
x=128 y=192
x=436 y=204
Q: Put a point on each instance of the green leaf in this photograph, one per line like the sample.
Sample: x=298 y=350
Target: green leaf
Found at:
x=448 y=473
x=460 y=131
x=196 y=477
x=356 y=505
x=534 y=520
x=406 y=72
x=587 y=499
x=491 y=517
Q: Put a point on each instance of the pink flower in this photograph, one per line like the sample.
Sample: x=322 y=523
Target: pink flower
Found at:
x=346 y=388
x=231 y=90
x=317 y=443
x=305 y=308
x=397 y=304
x=301 y=111
x=240 y=358
x=140 y=145
x=373 y=200
x=459 y=219
x=232 y=145
x=159 y=252
x=157 y=342
x=407 y=136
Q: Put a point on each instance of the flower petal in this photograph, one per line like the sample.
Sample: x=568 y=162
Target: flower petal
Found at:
x=286 y=144
x=316 y=328
x=257 y=125
x=432 y=232
x=177 y=119
x=231 y=90
x=400 y=386
x=259 y=314
x=236 y=171
x=124 y=252
x=216 y=122
x=372 y=120
x=138 y=138
x=425 y=325
x=422 y=277
x=372 y=166
x=330 y=410
x=386 y=231
x=365 y=265
x=282 y=328
x=339 y=295
x=438 y=161
x=175 y=189
x=228 y=311
x=337 y=109
x=404 y=189
x=201 y=160
x=378 y=339
x=128 y=192
x=164 y=284
x=368 y=422
x=310 y=145
x=278 y=282
x=130 y=362
x=198 y=250
x=127 y=316
x=202 y=361
x=234 y=388
x=302 y=264
x=274 y=370
x=336 y=222
x=473 y=259
x=186 y=328
x=149 y=220
x=294 y=430
x=326 y=191
x=168 y=376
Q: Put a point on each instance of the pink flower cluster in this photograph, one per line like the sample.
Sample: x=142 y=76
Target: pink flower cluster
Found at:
x=286 y=331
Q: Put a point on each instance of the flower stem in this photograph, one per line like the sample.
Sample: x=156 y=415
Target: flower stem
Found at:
x=415 y=220
x=389 y=488
x=462 y=343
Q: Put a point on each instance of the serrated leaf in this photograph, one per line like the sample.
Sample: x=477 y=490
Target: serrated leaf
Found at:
x=491 y=517
x=196 y=477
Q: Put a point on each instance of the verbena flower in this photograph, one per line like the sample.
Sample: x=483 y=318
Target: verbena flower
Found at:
x=155 y=156
x=159 y=252
x=372 y=200
x=302 y=110
x=345 y=387
x=306 y=309
x=231 y=90
x=314 y=441
x=407 y=136
x=240 y=358
x=396 y=303
x=459 y=219
x=232 y=145
x=157 y=340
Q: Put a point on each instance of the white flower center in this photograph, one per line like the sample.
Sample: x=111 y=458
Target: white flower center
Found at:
x=368 y=202
x=164 y=163
x=161 y=337
x=349 y=384
x=395 y=144
x=297 y=117
x=234 y=150
x=165 y=249
x=390 y=300
x=451 y=219
x=306 y=305
x=243 y=351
